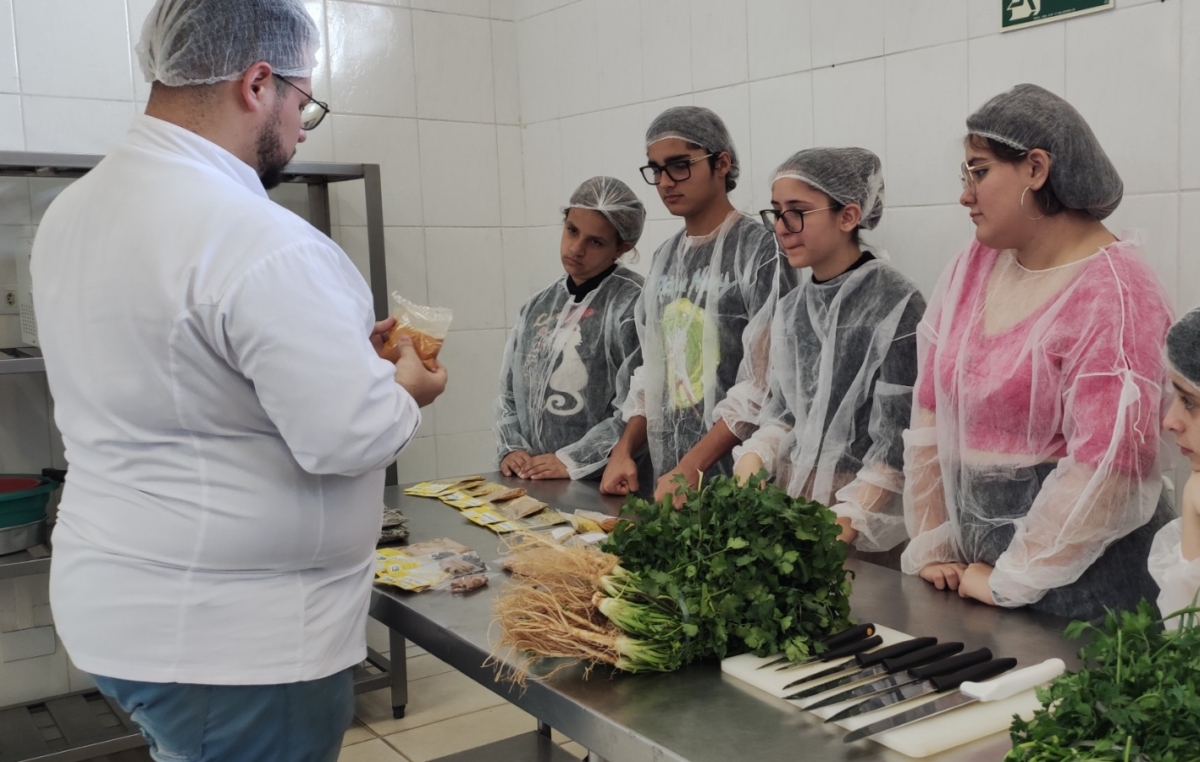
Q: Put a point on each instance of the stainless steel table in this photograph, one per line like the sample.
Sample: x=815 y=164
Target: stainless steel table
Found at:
x=696 y=713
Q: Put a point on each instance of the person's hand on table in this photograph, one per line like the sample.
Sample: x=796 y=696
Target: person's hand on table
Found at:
x=976 y=583
x=667 y=486
x=546 y=466
x=620 y=476
x=379 y=336
x=944 y=576
x=514 y=463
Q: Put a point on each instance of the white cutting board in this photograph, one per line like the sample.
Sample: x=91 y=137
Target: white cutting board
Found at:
x=920 y=739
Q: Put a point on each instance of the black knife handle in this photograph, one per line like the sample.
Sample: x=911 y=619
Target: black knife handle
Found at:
x=846 y=637
x=924 y=656
x=953 y=664
x=891 y=652
x=850 y=649
x=979 y=672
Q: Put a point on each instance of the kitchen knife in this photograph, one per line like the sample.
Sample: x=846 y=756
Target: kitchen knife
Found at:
x=885 y=667
x=916 y=674
x=968 y=693
x=867 y=659
x=833 y=643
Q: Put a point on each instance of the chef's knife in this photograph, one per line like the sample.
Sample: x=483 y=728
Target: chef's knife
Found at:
x=833 y=644
x=968 y=693
x=885 y=684
x=885 y=667
x=867 y=659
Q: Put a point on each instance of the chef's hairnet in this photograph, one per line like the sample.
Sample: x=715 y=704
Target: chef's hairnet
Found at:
x=1028 y=117
x=699 y=125
x=846 y=175
x=616 y=202
x=1183 y=347
x=201 y=42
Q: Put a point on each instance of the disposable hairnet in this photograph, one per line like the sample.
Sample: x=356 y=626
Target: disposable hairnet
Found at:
x=1183 y=347
x=566 y=371
x=699 y=125
x=1029 y=117
x=846 y=175
x=700 y=330
x=1035 y=436
x=616 y=202
x=843 y=364
x=200 y=42
x=1178 y=579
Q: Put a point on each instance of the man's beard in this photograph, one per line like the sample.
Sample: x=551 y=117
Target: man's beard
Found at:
x=272 y=157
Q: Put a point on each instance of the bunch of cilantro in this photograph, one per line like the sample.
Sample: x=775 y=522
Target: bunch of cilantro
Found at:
x=747 y=567
x=1135 y=700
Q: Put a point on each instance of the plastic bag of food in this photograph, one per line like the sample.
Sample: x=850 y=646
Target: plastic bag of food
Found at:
x=426 y=326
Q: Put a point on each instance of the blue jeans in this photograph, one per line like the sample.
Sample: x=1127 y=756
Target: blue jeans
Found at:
x=291 y=722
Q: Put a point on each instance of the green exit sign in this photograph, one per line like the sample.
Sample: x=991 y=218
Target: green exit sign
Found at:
x=1019 y=13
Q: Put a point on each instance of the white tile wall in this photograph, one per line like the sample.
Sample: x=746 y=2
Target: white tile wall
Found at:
x=471 y=452
x=10 y=82
x=371 y=66
x=538 y=68
x=1130 y=93
x=923 y=23
x=1036 y=55
x=846 y=30
x=732 y=104
x=465 y=273
x=464 y=7
x=849 y=106
x=781 y=124
x=1188 y=268
x=512 y=176
x=922 y=240
x=1154 y=219
x=719 y=43
x=460 y=175
x=391 y=143
x=12 y=128
x=74 y=125
x=778 y=37
x=618 y=25
x=577 y=58
x=454 y=74
x=544 y=187
x=666 y=48
x=926 y=115
x=1189 y=100
x=471 y=393
x=45 y=30
x=504 y=69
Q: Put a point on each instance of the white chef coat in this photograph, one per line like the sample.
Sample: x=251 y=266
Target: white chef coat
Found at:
x=225 y=418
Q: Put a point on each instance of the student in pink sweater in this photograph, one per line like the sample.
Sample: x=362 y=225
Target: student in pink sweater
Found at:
x=1031 y=465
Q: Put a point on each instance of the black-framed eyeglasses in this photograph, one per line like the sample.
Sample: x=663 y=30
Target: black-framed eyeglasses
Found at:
x=312 y=112
x=676 y=170
x=793 y=219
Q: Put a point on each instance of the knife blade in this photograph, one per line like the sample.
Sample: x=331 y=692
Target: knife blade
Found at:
x=884 y=667
x=867 y=659
x=916 y=674
x=969 y=692
x=832 y=643
x=851 y=649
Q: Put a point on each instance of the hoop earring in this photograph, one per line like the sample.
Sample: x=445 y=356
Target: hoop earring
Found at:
x=1022 y=204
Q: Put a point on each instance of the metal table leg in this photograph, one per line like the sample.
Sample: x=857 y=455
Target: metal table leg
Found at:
x=399 y=658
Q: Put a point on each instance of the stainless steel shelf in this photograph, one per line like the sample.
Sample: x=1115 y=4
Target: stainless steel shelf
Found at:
x=58 y=165
x=21 y=360
x=36 y=560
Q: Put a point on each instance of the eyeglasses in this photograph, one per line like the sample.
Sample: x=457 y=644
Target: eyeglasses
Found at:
x=969 y=173
x=676 y=170
x=793 y=219
x=312 y=112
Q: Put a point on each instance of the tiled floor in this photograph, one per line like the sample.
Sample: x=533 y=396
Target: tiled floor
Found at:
x=447 y=713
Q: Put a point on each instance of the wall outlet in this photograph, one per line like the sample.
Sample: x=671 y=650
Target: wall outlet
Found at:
x=9 y=303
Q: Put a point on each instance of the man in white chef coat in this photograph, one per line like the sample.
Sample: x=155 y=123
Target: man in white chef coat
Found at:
x=227 y=419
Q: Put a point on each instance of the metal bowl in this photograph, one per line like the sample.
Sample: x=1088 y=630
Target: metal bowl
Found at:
x=22 y=536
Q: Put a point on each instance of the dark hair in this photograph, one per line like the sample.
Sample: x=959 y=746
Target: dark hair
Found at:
x=734 y=171
x=1047 y=200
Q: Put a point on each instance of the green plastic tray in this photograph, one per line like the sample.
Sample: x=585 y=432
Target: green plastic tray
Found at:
x=26 y=505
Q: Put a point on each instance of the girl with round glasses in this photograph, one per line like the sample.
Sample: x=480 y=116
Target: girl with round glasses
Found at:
x=843 y=355
x=1031 y=464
